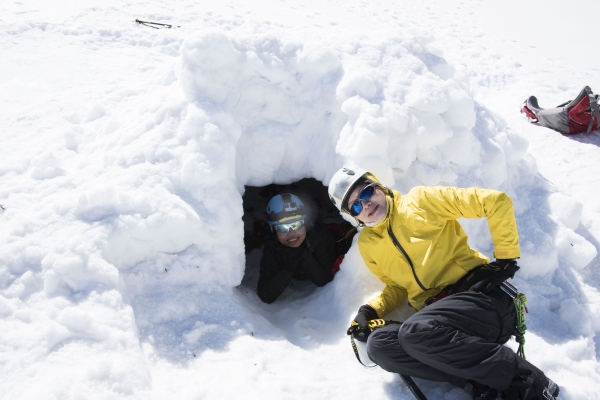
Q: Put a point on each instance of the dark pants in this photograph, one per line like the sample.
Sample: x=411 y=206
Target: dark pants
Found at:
x=456 y=339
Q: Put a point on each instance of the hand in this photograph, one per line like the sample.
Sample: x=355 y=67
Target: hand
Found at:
x=508 y=265
x=365 y=314
x=485 y=278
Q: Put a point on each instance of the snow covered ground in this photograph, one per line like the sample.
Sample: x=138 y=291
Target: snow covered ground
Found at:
x=125 y=151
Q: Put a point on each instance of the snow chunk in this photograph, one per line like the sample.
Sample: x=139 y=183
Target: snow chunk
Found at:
x=357 y=84
x=428 y=95
x=565 y=209
x=200 y=328
x=461 y=109
x=573 y=250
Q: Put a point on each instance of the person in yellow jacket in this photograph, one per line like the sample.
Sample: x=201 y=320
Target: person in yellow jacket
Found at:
x=414 y=244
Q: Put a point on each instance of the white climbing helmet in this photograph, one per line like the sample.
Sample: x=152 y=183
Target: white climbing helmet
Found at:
x=342 y=184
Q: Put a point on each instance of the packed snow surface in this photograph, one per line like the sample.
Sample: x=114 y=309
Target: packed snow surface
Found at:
x=126 y=151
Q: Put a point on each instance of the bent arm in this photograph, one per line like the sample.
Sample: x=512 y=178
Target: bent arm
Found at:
x=392 y=294
x=274 y=278
x=454 y=203
x=389 y=299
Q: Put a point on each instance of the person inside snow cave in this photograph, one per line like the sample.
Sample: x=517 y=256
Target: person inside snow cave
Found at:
x=295 y=250
x=416 y=247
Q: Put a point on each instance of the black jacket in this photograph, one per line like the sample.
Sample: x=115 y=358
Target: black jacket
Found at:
x=313 y=260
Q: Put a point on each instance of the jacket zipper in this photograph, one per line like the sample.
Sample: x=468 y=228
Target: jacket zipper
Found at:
x=399 y=247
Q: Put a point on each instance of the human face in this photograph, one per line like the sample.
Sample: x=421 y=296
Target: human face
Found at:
x=292 y=238
x=373 y=209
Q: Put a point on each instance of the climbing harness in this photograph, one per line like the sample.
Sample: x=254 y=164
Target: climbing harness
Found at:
x=379 y=323
x=155 y=25
x=520 y=302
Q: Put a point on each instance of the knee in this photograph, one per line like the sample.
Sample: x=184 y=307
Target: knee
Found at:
x=379 y=343
x=406 y=333
x=374 y=346
x=415 y=332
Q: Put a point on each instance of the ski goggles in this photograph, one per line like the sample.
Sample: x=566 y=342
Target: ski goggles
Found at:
x=365 y=194
x=285 y=228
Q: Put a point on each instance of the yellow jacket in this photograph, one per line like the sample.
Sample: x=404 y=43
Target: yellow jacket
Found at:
x=424 y=221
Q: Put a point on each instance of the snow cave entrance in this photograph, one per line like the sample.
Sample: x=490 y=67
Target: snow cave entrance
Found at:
x=256 y=229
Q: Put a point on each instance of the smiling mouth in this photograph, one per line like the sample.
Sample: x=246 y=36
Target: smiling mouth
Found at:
x=294 y=240
x=374 y=210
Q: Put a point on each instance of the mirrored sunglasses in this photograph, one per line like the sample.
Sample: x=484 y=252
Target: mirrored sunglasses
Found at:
x=365 y=194
x=285 y=228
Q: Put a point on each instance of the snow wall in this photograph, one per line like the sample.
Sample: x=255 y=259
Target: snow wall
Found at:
x=133 y=251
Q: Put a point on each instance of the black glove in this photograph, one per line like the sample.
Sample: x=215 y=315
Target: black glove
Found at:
x=485 y=278
x=365 y=314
